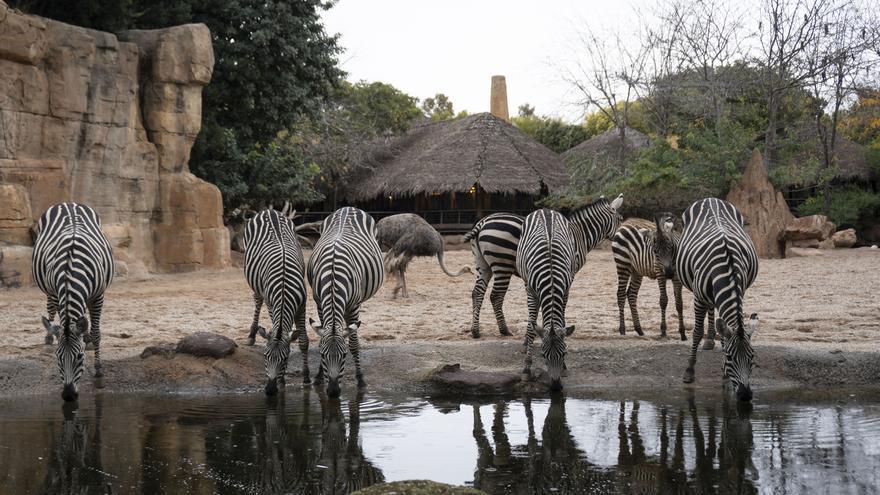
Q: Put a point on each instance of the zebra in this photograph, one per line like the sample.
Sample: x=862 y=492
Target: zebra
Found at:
x=718 y=262
x=495 y=238
x=345 y=270
x=273 y=266
x=73 y=265
x=640 y=252
x=545 y=257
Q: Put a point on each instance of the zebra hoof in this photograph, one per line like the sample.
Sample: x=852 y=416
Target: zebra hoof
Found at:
x=475 y=335
x=505 y=332
x=708 y=345
x=683 y=337
x=307 y=380
x=640 y=332
x=622 y=331
x=250 y=341
x=688 y=376
x=49 y=339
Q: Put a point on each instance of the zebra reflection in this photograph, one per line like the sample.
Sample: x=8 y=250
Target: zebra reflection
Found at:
x=345 y=468
x=75 y=463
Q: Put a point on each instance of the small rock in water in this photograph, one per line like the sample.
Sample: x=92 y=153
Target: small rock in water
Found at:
x=836 y=351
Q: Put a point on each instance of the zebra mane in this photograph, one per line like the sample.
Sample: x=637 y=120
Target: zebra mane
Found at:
x=602 y=201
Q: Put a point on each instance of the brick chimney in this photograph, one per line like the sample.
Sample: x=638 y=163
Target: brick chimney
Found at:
x=498 y=98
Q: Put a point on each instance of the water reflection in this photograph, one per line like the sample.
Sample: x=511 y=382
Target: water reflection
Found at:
x=311 y=444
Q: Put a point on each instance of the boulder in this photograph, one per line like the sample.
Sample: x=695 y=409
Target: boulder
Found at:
x=810 y=227
x=765 y=210
x=451 y=378
x=805 y=243
x=844 y=238
x=206 y=344
x=22 y=37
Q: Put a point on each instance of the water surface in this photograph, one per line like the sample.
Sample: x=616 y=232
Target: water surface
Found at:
x=306 y=443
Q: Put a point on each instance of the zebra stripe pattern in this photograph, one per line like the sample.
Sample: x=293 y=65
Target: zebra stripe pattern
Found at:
x=545 y=258
x=718 y=262
x=73 y=265
x=640 y=252
x=274 y=268
x=345 y=270
x=494 y=241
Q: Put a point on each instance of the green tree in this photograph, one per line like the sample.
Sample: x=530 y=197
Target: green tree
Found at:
x=553 y=133
x=438 y=107
x=274 y=63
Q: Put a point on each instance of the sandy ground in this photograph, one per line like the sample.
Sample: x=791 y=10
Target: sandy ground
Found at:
x=820 y=323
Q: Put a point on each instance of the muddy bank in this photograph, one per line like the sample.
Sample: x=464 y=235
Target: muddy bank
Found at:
x=819 y=329
x=403 y=367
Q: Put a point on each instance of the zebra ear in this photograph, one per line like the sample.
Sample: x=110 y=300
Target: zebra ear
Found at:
x=753 y=325
x=721 y=327
x=50 y=328
x=569 y=330
x=618 y=202
x=539 y=329
x=317 y=328
x=82 y=325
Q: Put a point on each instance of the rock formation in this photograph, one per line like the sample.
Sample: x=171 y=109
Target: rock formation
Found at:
x=763 y=207
x=88 y=117
x=844 y=238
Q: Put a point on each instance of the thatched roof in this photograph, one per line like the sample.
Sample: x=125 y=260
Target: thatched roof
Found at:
x=602 y=147
x=453 y=156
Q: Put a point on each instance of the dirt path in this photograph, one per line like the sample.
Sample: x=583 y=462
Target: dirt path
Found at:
x=819 y=327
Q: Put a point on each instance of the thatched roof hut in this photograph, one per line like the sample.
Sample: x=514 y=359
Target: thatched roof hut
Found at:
x=604 y=149
x=480 y=151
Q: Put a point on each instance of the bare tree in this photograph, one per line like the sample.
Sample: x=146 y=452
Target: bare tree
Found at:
x=847 y=55
x=707 y=39
x=607 y=77
x=787 y=31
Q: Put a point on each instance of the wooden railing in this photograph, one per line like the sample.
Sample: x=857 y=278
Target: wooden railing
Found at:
x=445 y=221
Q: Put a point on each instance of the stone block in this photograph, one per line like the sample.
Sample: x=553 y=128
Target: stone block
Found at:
x=15 y=265
x=23 y=88
x=15 y=215
x=810 y=227
x=22 y=37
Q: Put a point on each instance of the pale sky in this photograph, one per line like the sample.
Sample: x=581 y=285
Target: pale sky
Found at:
x=456 y=46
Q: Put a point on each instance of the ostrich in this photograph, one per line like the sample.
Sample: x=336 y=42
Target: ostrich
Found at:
x=407 y=235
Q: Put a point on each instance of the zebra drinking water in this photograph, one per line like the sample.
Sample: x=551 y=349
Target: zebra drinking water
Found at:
x=718 y=262
x=494 y=242
x=545 y=258
x=73 y=265
x=345 y=270
x=273 y=266
x=640 y=252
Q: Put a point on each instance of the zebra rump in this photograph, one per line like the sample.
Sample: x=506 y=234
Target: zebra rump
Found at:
x=73 y=265
x=545 y=259
x=345 y=270
x=717 y=261
x=274 y=267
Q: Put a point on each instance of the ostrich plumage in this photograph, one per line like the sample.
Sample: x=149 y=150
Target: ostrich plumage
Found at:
x=404 y=237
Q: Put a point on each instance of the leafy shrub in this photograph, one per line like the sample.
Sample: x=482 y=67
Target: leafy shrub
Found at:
x=849 y=207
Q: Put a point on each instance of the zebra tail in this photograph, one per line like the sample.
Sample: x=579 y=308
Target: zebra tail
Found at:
x=462 y=271
x=473 y=232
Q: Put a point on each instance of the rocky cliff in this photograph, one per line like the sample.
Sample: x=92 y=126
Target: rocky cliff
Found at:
x=109 y=122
